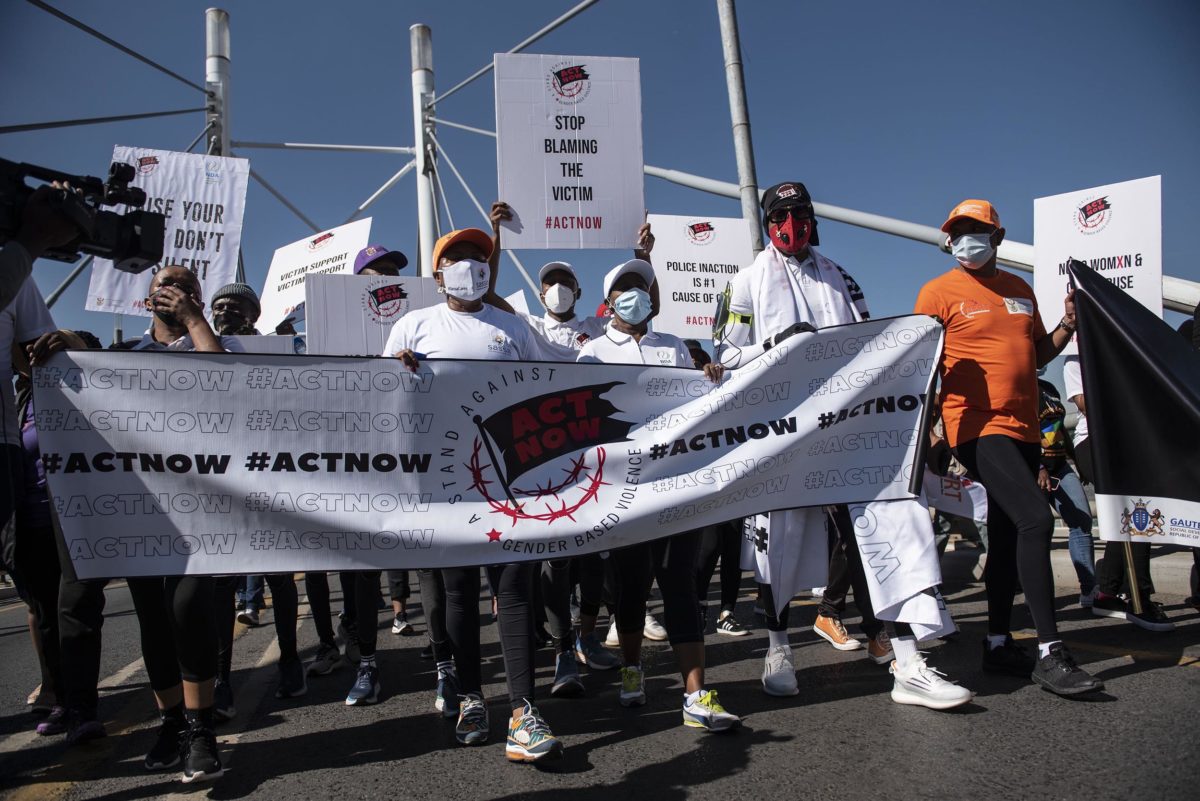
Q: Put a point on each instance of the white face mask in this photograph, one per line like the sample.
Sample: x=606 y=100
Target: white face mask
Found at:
x=559 y=298
x=466 y=280
x=972 y=250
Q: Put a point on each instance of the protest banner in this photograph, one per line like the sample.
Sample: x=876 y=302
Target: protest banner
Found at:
x=1114 y=229
x=331 y=251
x=271 y=343
x=352 y=315
x=956 y=495
x=569 y=150
x=171 y=463
x=202 y=198
x=694 y=258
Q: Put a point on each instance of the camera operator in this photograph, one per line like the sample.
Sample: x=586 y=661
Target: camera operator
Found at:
x=43 y=226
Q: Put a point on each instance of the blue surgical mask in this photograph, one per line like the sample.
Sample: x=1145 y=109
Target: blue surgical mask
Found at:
x=633 y=306
x=972 y=250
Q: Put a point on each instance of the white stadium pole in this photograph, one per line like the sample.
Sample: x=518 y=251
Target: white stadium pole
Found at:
x=743 y=148
x=421 y=42
x=216 y=81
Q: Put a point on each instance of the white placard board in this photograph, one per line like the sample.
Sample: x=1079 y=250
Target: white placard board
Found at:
x=352 y=315
x=569 y=150
x=1115 y=229
x=270 y=343
x=518 y=302
x=202 y=198
x=694 y=258
x=331 y=251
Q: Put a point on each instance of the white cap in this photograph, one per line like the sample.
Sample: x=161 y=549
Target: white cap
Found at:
x=639 y=266
x=556 y=265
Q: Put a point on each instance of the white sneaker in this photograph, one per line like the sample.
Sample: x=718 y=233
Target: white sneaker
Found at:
x=920 y=685
x=779 y=672
x=612 y=640
x=633 y=686
x=818 y=592
x=653 y=630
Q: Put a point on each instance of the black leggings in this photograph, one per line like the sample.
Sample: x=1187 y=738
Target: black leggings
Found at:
x=433 y=604
x=514 y=593
x=846 y=573
x=673 y=561
x=316 y=589
x=556 y=597
x=367 y=596
x=285 y=602
x=178 y=628
x=36 y=560
x=596 y=584
x=722 y=541
x=1019 y=530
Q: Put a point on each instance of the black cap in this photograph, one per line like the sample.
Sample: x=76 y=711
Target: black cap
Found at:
x=238 y=290
x=786 y=195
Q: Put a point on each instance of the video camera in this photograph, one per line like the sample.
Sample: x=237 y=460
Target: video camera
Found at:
x=133 y=240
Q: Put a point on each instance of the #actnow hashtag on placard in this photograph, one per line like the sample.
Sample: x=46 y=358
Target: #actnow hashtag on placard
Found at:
x=175 y=463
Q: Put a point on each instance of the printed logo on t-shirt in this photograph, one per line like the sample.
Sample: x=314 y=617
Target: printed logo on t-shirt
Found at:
x=500 y=344
x=970 y=308
x=667 y=358
x=1019 y=306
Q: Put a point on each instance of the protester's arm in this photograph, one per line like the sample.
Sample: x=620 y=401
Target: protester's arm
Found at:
x=645 y=244
x=500 y=212
x=1080 y=404
x=45 y=346
x=1053 y=343
x=183 y=307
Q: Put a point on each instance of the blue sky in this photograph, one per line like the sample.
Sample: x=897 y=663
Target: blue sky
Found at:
x=896 y=108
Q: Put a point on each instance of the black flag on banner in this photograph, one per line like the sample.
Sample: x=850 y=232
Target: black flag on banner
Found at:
x=1142 y=384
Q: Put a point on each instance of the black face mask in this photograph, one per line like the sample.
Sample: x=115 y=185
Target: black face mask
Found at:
x=169 y=320
x=231 y=323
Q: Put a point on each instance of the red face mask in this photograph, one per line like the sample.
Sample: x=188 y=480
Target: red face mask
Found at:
x=790 y=236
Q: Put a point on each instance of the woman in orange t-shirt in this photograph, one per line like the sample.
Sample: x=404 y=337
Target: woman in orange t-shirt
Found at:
x=995 y=341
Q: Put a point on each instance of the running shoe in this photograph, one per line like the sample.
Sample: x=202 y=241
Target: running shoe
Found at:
x=832 y=631
x=168 y=742
x=327 y=660
x=567 y=683
x=706 y=712
x=779 y=672
x=249 y=617
x=1109 y=606
x=728 y=625
x=613 y=640
x=82 y=729
x=447 y=694
x=223 y=708
x=1152 y=617
x=530 y=739
x=201 y=762
x=633 y=686
x=401 y=626
x=920 y=685
x=1058 y=673
x=653 y=630
x=292 y=681
x=366 y=687
x=55 y=722
x=1009 y=658
x=879 y=649
x=472 y=727
x=589 y=651
x=1086 y=599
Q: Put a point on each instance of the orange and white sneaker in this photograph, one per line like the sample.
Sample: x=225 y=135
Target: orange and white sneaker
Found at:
x=879 y=649
x=832 y=631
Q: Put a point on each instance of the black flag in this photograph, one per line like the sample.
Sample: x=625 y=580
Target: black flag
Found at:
x=1142 y=384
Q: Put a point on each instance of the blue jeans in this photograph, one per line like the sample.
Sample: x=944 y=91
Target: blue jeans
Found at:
x=1069 y=500
x=250 y=592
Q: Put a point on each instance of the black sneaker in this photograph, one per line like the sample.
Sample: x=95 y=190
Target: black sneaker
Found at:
x=1152 y=617
x=727 y=624
x=1058 y=673
x=223 y=708
x=1110 y=606
x=201 y=762
x=165 y=753
x=1009 y=659
x=292 y=683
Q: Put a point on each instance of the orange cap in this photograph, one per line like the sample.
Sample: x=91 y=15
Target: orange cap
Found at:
x=973 y=209
x=473 y=235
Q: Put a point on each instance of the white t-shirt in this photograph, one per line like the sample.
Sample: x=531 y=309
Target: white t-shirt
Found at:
x=24 y=319
x=438 y=332
x=664 y=350
x=185 y=344
x=1073 y=381
x=565 y=338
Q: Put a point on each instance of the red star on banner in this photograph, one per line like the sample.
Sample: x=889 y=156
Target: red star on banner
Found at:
x=493 y=535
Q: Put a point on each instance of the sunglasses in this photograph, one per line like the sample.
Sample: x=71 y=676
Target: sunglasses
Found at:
x=796 y=212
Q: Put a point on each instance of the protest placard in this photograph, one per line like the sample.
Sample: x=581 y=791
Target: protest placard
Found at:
x=202 y=198
x=569 y=150
x=331 y=251
x=352 y=315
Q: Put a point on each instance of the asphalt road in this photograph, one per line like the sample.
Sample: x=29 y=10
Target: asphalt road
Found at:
x=842 y=737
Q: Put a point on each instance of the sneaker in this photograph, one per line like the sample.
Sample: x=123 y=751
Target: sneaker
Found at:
x=728 y=624
x=1109 y=606
x=327 y=660
x=613 y=640
x=589 y=651
x=292 y=681
x=633 y=687
x=55 y=722
x=201 y=762
x=1010 y=659
x=832 y=631
x=165 y=753
x=779 y=672
x=223 y=708
x=706 y=712
x=401 y=626
x=446 y=700
x=366 y=687
x=529 y=738
x=920 y=685
x=1058 y=673
x=653 y=630
x=82 y=730
x=472 y=727
x=879 y=649
x=1152 y=617
x=249 y=617
x=818 y=592
x=567 y=683
x=1086 y=599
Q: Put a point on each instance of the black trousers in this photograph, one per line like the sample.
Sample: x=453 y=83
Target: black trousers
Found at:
x=433 y=604
x=555 y=575
x=285 y=602
x=316 y=588
x=596 y=584
x=80 y=621
x=673 y=561
x=35 y=558
x=178 y=628
x=398 y=589
x=367 y=596
x=724 y=542
x=845 y=573
x=1019 y=530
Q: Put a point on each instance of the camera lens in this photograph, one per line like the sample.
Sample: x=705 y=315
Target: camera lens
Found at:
x=120 y=171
